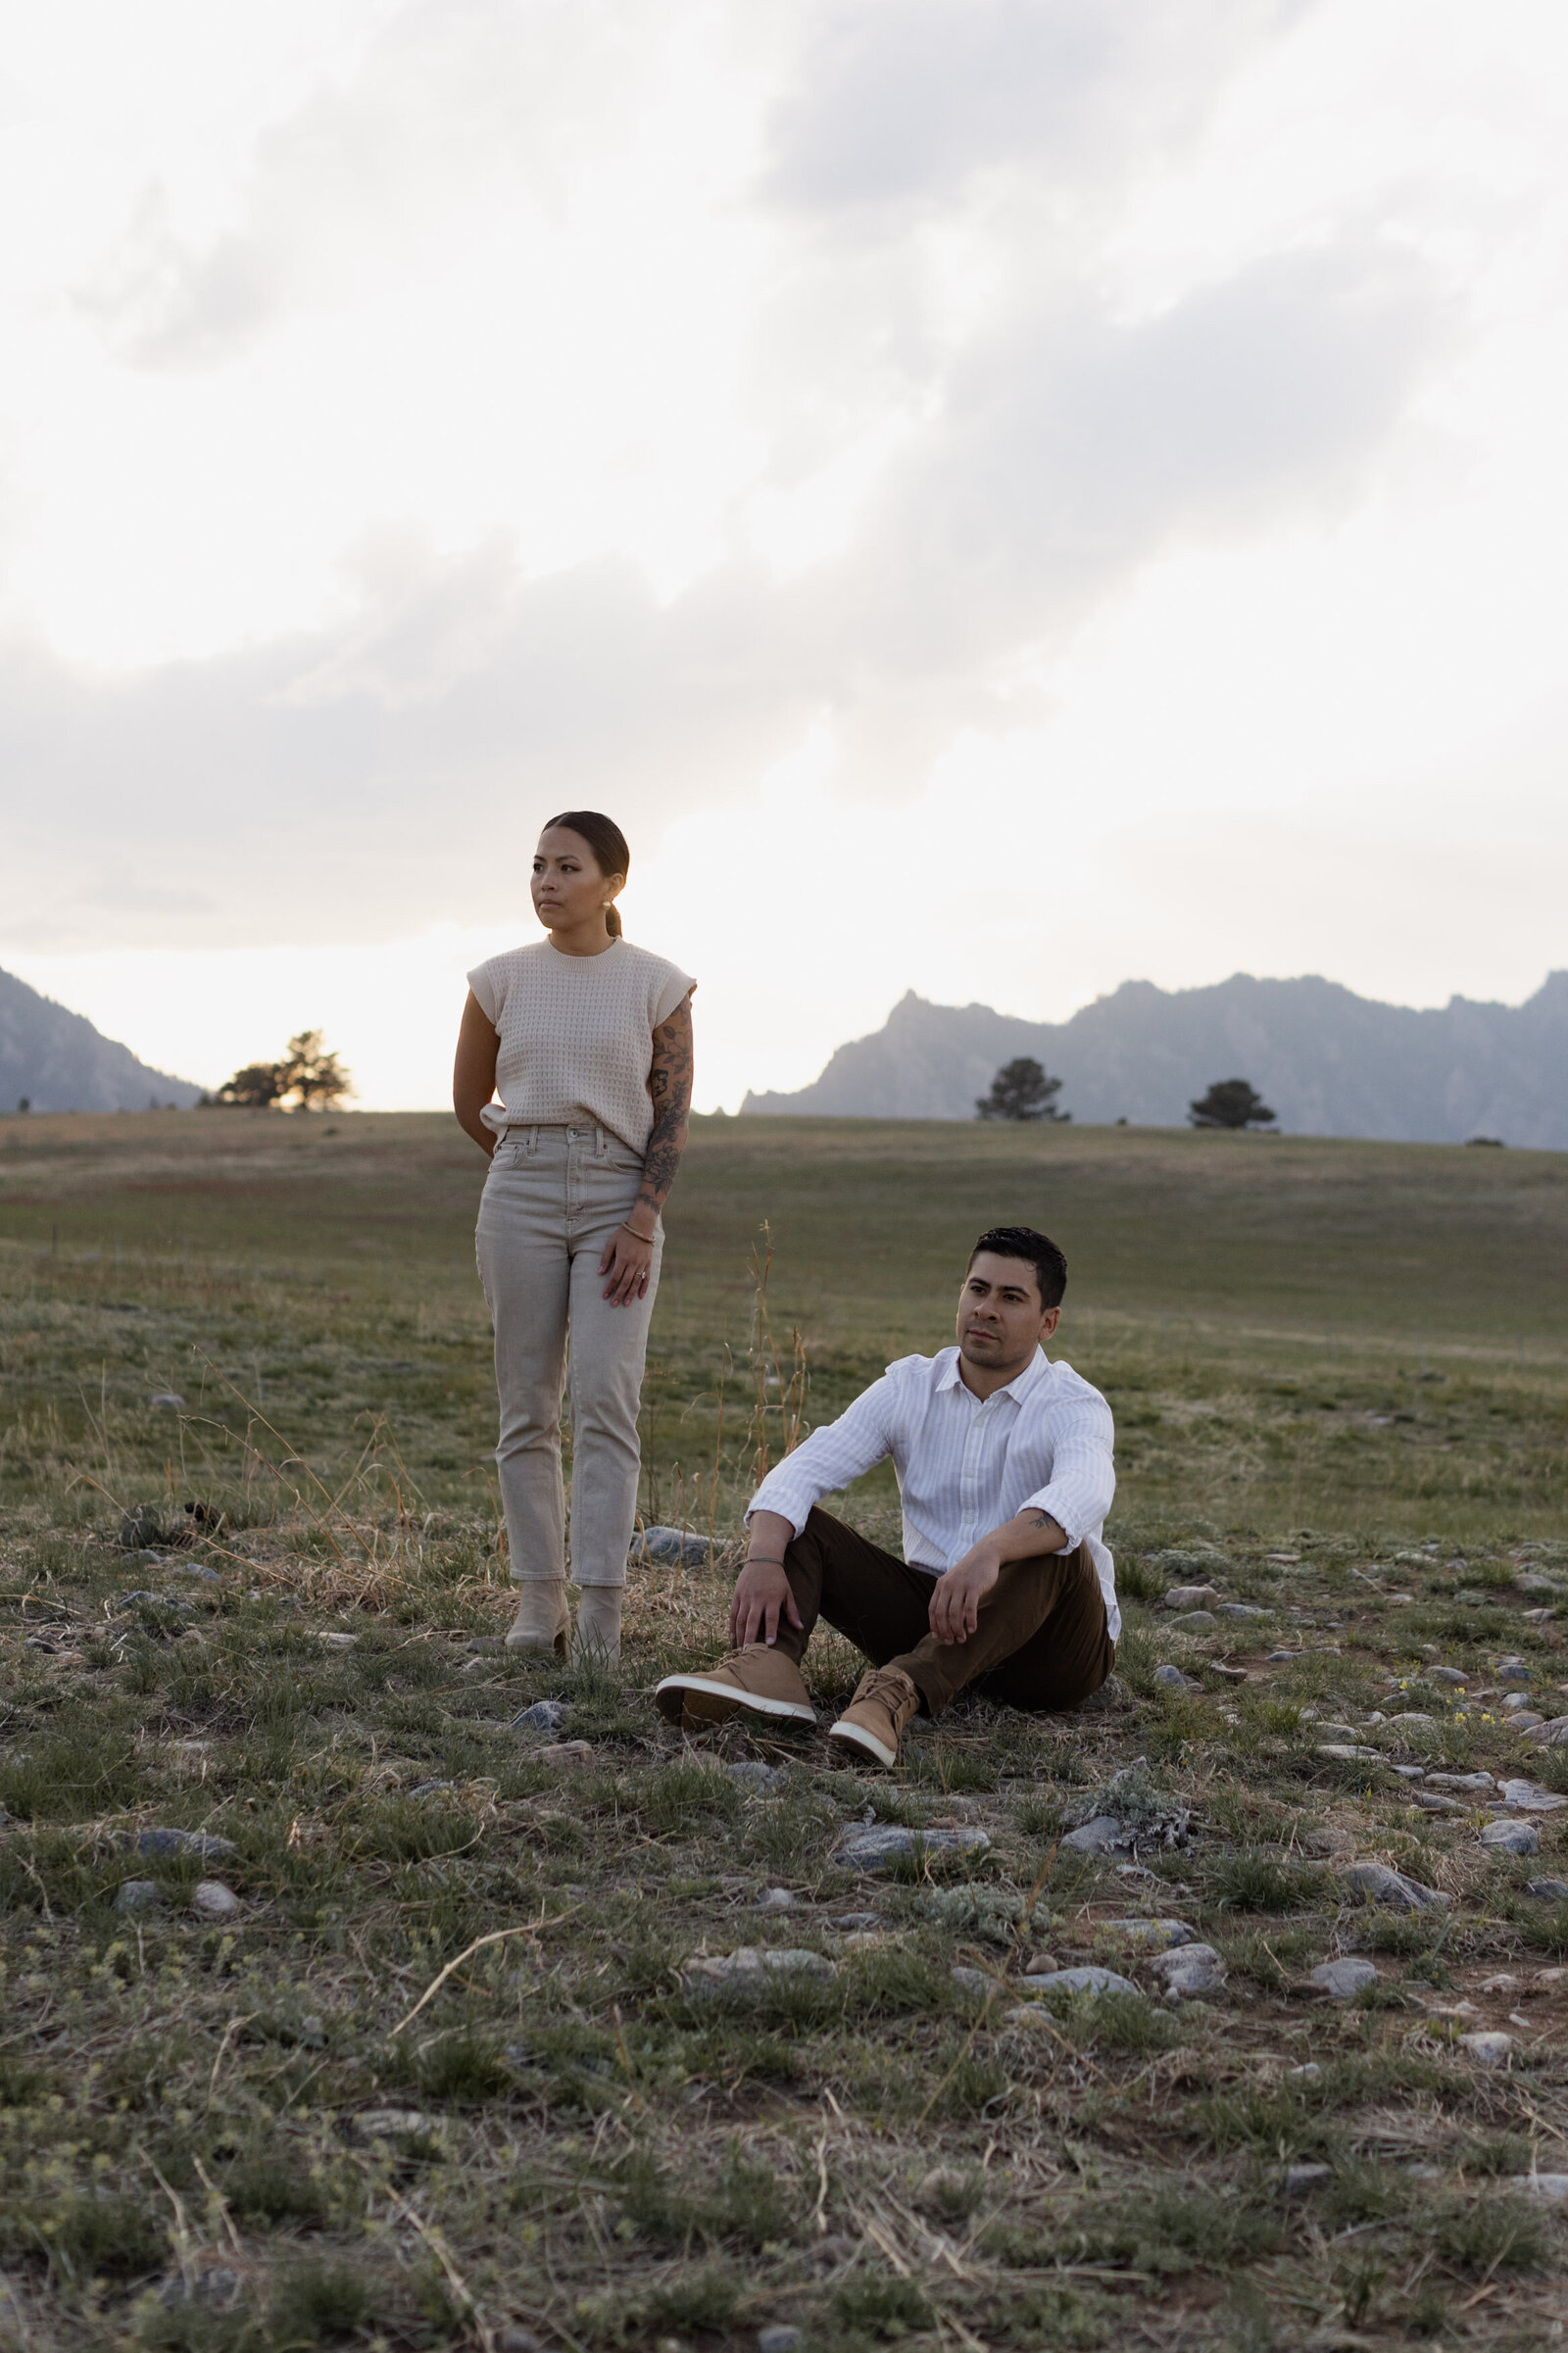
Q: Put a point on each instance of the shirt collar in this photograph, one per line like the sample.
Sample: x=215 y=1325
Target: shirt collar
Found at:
x=1033 y=1372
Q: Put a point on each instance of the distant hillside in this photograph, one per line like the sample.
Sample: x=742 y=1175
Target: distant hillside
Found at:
x=59 y=1063
x=1330 y=1063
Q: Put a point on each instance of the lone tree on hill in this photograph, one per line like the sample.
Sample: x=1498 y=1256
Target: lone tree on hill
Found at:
x=308 y=1074
x=1230 y=1103
x=1021 y=1090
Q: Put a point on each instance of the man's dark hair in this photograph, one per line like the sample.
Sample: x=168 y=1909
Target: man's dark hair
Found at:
x=1023 y=1241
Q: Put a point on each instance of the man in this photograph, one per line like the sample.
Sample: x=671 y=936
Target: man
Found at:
x=1004 y=1471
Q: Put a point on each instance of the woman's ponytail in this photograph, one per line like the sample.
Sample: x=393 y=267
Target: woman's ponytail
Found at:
x=607 y=843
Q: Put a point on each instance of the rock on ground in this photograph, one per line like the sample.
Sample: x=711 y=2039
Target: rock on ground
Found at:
x=1095 y=1836
x=214 y=1901
x=1512 y=1838
x=1381 y=1885
x=1488 y=2050
x=203 y=1845
x=1171 y=1679
x=880 y=1845
x=1345 y=1977
x=138 y=1896
x=1089 y=1980
x=1552 y=1734
x=1190 y=1597
x=1547 y=1891
x=1188 y=1971
x=1300 y=2179
x=545 y=1715
x=672 y=1548
x=748 y=1968
x=1155 y=1935
x=1554 y=2186
x=753 y=1774
x=1531 y=1799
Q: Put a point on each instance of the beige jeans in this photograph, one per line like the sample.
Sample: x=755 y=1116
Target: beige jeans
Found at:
x=553 y=1198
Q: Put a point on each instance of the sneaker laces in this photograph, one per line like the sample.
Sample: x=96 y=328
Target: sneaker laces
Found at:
x=890 y=1688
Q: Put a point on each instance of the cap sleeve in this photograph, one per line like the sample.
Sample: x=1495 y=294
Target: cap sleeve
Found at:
x=671 y=989
x=483 y=980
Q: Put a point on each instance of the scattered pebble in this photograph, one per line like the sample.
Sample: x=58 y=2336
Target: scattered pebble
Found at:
x=779 y=2337
x=1551 y=2187
x=1512 y=1838
x=169 y=1398
x=1348 y=1752
x=1190 y=1597
x=380 y=2121
x=518 y=2340
x=973 y=1980
x=138 y=1896
x=1435 y=1803
x=1381 y=1885
x=1283 y=1658
x=428 y=1789
x=1195 y=1621
x=1448 y=1675
x=564 y=1752
x=1300 y=2179
x=1547 y=1891
x=776 y=1899
x=214 y=1901
x=330 y=1639
x=1308 y=2071
x=1488 y=2049
x=1091 y=1979
x=1171 y=1679
x=1343 y=1979
x=1513 y=1670
x=1524 y=1719
x=1239 y=1609
x=753 y=1774
x=878 y=1847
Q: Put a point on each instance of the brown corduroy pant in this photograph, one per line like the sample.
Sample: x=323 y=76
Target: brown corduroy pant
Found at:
x=1041 y=1641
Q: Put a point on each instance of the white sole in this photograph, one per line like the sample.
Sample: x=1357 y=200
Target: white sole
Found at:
x=855 y=1736
x=753 y=1703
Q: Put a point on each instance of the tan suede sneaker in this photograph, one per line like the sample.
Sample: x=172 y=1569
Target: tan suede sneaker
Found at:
x=884 y=1701
x=753 y=1682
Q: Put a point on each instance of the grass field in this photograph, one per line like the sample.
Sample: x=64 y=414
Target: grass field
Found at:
x=438 y=2071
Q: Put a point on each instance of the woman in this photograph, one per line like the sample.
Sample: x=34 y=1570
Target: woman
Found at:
x=588 y=1042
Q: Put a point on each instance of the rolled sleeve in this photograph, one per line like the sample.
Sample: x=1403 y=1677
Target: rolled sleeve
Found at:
x=1081 y=1485
x=860 y=1437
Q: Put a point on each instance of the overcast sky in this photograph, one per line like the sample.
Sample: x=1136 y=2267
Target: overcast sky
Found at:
x=997 y=497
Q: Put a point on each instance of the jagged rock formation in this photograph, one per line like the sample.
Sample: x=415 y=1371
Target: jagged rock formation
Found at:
x=57 y=1061
x=1330 y=1063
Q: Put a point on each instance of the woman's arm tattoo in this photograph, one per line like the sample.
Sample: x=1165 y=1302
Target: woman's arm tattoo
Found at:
x=670 y=1084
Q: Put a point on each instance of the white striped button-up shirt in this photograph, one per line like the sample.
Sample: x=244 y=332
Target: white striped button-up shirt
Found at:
x=965 y=1464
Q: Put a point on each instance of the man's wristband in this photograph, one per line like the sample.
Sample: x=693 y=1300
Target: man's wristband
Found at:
x=765 y=1560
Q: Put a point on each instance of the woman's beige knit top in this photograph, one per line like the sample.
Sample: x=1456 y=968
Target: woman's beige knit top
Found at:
x=576 y=1036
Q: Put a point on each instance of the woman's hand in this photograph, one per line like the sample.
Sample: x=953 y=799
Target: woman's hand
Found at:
x=627 y=1264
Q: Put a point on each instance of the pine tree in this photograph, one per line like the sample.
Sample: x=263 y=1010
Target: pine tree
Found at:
x=1233 y=1102
x=1021 y=1090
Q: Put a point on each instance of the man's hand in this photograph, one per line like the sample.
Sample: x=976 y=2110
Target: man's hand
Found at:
x=762 y=1599
x=955 y=1604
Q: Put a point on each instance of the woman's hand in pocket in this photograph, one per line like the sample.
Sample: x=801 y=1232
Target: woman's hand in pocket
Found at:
x=626 y=1266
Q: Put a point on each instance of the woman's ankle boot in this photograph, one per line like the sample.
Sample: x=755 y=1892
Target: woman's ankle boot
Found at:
x=598 y=1636
x=543 y=1620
